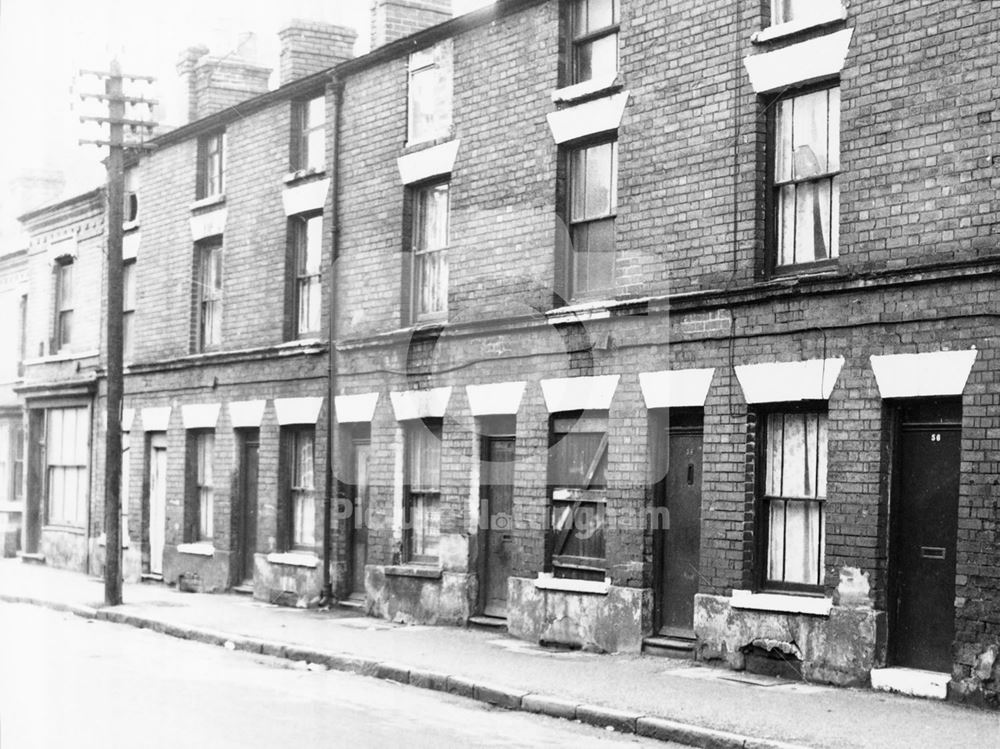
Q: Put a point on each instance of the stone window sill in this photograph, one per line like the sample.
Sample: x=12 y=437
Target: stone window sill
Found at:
x=545 y=581
x=200 y=549
x=209 y=202
x=783 y=30
x=58 y=357
x=294 y=559
x=586 y=89
x=128 y=226
x=414 y=570
x=302 y=174
x=781 y=603
x=57 y=528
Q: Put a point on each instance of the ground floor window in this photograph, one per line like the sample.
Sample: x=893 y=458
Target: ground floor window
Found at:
x=67 y=432
x=11 y=459
x=423 y=491
x=300 y=489
x=794 y=491
x=199 y=515
x=578 y=457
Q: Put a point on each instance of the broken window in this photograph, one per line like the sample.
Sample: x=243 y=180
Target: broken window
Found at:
x=578 y=458
x=794 y=488
x=805 y=186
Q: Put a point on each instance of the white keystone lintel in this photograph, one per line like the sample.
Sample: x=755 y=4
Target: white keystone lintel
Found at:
x=355 y=409
x=915 y=682
x=579 y=393
x=246 y=414
x=589 y=118
x=497 y=399
x=297 y=410
x=920 y=375
x=677 y=388
x=130 y=245
x=420 y=404
x=427 y=163
x=155 y=419
x=208 y=224
x=781 y=603
x=128 y=416
x=304 y=197
x=799 y=63
x=294 y=559
x=200 y=415
x=787 y=382
x=201 y=549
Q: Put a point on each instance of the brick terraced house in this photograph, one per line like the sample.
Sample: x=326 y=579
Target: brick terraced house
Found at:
x=664 y=327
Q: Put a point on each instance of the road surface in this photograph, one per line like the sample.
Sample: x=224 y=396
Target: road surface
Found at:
x=72 y=682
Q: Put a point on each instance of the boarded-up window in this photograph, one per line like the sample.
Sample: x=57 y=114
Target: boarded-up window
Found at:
x=430 y=93
x=578 y=456
x=794 y=493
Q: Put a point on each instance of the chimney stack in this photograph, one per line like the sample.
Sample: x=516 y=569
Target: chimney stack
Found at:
x=394 y=19
x=185 y=71
x=212 y=84
x=308 y=47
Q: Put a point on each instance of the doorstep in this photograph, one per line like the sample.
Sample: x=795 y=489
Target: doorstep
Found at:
x=915 y=682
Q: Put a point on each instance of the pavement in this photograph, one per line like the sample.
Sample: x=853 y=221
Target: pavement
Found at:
x=673 y=700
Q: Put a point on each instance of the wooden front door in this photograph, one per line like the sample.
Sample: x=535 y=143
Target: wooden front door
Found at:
x=157 y=501
x=680 y=543
x=359 y=513
x=925 y=532
x=497 y=493
x=246 y=528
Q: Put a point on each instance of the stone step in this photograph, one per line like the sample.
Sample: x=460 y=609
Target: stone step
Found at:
x=668 y=647
x=488 y=622
x=352 y=603
x=915 y=682
x=31 y=558
x=243 y=590
x=151 y=577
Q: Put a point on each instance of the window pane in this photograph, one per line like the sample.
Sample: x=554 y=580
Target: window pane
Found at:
x=424 y=458
x=66 y=286
x=128 y=286
x=65 y=328
x=596 y=58
x=783 y=140
x=313 y=246
x=304 y=474
x=309 y=304
x=783 y=11
x=425 y=525
x=432 y=282
x=810 y=139
x=422 y=98
x=432 y=217
x=315 y=112
x=316 y=149
x=206 y=529
x=303 y=518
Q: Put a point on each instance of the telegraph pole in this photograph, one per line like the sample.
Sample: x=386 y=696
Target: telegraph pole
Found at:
x=114 y=96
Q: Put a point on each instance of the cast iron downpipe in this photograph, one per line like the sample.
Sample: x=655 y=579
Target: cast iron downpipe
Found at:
x=326 y=596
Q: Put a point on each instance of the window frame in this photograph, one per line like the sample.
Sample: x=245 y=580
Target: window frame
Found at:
x=211 y=165
x=130 y=197
x=773 y=186
x=574 y=224
x=762 y=501
x=208 y=297
x=436 y=62
x=420 y=255
x=300 y=275
x=827 y=11
x=128 y=308
x=62 y=332
x=199 y=509
x=578 y=39
x=303 y=128
x=81 y=470
x=428 y=499
x=576 y=566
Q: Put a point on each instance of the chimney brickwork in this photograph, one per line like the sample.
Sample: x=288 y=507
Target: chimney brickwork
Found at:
x=394 y=19
x=308 y=47
x=222 y=82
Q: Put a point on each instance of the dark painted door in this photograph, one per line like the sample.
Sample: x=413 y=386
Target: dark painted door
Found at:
x=359 y=519
x=498 y=492
x=926 y=531
x=680 y=545
x=248 y=478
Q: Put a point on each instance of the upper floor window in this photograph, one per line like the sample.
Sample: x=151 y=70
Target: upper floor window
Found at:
x=794 y=490
x=786 y=11
x=429 y=297
x=128 y=309
x=423 y=491
x=211 y=152
x=310 y=135
x=430 y=93
x=130 y=211
x=805 y=189
x=595 y=39
x=208 y=293
x=63 y=333
x=307 y=236
x=593 y=203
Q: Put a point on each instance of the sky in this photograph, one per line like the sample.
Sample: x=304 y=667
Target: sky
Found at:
x=45 y=43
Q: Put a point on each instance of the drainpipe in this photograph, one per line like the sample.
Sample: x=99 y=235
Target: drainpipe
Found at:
x=326 y=596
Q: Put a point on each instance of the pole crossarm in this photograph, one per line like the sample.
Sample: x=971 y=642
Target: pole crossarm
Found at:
x=127 y=76
x=130 y=123
x=120 y=98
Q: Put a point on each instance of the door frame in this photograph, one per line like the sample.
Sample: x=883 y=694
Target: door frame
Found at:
x=895 y=436
x=492 y=427
x=147 y=498
x=663 y=422
x=245 y=518
x=358 y=434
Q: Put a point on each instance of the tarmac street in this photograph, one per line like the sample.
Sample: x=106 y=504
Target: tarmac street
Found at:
x=67 y=681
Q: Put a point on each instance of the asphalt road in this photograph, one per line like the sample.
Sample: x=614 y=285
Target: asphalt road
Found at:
x=70 y=682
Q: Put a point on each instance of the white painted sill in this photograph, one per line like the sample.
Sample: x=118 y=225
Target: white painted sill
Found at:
x=583 y=89
x=301 y=174
x=782 y=30
x=208 y=202
x=128 y=226
x=781 y=603
x=294 y=559
x=200 y=549
x=582 y=311
x=545 y=581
